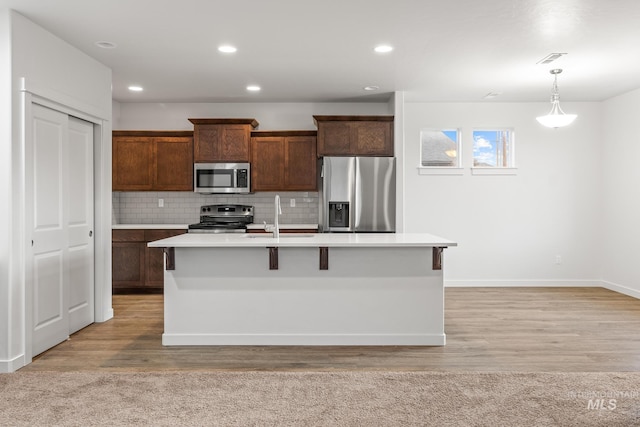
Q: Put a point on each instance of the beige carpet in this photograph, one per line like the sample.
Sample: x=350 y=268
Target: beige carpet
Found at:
x=320 y=399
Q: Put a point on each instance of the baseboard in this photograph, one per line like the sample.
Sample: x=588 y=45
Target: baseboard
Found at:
x=306 y=339
x=621 y=289
x=542 y=284
x=12 y=365
x=522 y=283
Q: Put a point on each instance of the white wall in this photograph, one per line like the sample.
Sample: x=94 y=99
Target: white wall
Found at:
x=63 y=76
x=620 y=150
x=510 y=228
x=5 y=183
x=271 y=116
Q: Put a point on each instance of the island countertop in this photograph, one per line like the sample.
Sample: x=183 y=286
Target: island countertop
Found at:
x=248 y=240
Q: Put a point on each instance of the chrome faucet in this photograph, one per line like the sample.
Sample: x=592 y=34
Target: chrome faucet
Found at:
x=277 y=211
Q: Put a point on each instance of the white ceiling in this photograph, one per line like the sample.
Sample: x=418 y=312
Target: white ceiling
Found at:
x=302 y=51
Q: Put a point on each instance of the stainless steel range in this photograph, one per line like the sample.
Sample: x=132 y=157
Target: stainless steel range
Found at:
x=223 y=219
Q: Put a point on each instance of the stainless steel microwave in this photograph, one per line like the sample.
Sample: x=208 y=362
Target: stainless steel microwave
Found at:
x=222 y=177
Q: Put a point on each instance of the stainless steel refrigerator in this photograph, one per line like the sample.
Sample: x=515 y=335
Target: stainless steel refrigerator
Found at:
x=358 y=194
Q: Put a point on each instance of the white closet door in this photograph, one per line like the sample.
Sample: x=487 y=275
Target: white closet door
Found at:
x=80 y=224
x=46 y=166
x=60 y=215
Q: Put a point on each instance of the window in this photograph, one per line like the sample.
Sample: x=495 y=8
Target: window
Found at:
x=493 y=148
x=440 y=148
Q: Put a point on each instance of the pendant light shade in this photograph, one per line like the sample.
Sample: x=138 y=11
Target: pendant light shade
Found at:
x=556 y=118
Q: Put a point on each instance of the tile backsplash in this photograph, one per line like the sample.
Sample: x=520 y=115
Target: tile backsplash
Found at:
x=181 y=207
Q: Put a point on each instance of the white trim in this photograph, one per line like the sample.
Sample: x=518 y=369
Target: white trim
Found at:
x=498 y=283
x=12 y=365
x=439 y=170
x=494 y=171
x=62 y=102
x=400 y=152
x=310 y=339
x=621 y=289
x=26 y=261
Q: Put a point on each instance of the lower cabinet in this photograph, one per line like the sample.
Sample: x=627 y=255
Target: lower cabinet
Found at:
x=137 y=269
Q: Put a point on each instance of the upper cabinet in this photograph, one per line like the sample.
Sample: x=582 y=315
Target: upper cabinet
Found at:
x=355 y=135
x=222 y=140
x=283 y=161
x=152 y=161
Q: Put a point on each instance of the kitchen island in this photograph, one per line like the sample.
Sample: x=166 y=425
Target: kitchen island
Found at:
x=303 y=289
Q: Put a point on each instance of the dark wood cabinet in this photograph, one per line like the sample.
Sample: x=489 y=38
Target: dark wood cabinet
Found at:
x=355 y=135
x=128 y=260
x=222 y=140
x=135 y=267
x=284 y=161
x=131 y=163
x=152 y=161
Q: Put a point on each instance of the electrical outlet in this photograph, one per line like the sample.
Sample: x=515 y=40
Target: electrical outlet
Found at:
x=161 y=203
x=558 y=259
x=292 y=203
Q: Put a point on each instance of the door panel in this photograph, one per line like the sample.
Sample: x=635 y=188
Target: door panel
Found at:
x=60 y=217
x=50 y=323
x=375 y=194
x=50 y=241
x=80 y=224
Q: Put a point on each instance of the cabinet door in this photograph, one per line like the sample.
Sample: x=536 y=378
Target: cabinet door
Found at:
x=155 y=268
x=267 y=163
x=155 y=259
x=128 y=266
x=372 y=138
x=301 y=163
x=132 y=164
x=128 y=260
x=173 y=165
x=235 y=143
x=206 y=142
x=334 y=139
x=222 y=143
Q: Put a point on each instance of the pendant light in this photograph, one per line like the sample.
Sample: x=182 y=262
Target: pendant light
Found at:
x=556 y=117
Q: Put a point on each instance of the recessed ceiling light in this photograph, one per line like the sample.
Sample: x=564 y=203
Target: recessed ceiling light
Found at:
x=227 y=49
x=370 y=88
x=492 y=95
x=135 y=88
x=253 y=88
x=383 y=48
x=550 y=58
x=106 y=45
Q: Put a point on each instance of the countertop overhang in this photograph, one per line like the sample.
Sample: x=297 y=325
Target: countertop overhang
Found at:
x=248 y=240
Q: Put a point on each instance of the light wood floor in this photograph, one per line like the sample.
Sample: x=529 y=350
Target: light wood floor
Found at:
x=488 y=329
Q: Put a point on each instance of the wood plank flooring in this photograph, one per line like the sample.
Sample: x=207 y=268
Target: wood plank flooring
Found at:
x=488 y=329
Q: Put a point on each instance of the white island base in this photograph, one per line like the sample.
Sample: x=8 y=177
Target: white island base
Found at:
x=368 y=295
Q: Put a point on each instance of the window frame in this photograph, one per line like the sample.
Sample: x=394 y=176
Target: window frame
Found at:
x=456 y=168
x=510 y=168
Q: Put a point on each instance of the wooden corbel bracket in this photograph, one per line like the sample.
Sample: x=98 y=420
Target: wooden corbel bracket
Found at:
x=324 y=258
x=273 y=257
x=437 y=257
x=170 y=255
